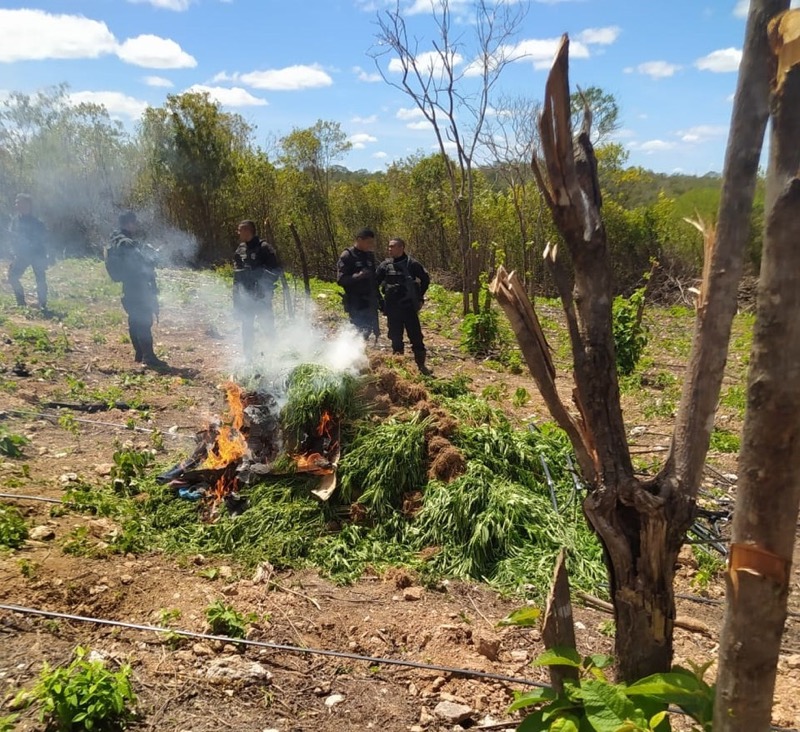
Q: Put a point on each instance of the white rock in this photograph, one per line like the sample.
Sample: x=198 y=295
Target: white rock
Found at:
x=333 y=700
x=42 y=533
x=236 y=668
x=452 y=712
x=68 y=478
x=519 y=655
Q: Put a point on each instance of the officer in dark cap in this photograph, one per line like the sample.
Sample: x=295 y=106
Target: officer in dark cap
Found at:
x=403 y=282
x=133 y=263
x=356 y=276
x=256 y=269
x=29 y=248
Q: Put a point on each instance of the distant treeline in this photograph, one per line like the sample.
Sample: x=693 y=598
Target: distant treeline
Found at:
x=194 y=171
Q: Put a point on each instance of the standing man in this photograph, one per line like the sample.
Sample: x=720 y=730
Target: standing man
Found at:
x=403 y=282
x=256 y=269
x=133 y=263
x=356 y=276
x=28 y=249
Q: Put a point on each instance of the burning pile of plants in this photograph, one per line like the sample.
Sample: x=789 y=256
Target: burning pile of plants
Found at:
x=341 y=473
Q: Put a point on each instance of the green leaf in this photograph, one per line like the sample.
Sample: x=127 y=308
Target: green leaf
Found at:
x=607 y=707
x=524 y=617
x=657 y=719
x=558 y=656
x=600 y=660
x=567 y=723
x=532 y=697
x=532 y=723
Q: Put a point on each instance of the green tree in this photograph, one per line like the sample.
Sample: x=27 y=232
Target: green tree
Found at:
x=190 y=148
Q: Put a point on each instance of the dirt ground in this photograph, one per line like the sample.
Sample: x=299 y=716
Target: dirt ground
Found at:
x=453 y=625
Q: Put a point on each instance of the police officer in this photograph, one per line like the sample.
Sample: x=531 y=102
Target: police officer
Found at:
x=256 y=269
x=28 y=249
x=403 y=282
x=356 y=276
x=134 y=264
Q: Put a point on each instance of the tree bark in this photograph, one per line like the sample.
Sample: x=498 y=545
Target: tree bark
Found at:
x=768 y=494
x=642 y=524
x=694 y=423
x=301 y=252
x=558 y=626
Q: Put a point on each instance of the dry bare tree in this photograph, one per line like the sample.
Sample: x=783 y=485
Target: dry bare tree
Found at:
x=452 y=97
x=641 y=522
x=768 y=492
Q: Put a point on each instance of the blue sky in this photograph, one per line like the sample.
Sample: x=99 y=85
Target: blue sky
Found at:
x=670 y=64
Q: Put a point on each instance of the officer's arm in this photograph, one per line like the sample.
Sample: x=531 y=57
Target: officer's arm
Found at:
x=345 y=267
x=424 y=279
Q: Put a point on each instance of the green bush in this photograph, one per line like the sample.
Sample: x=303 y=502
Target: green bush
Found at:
x=630 y=331
x=723 y=440
x=129 y=470
x=10 y=444
x=83 y=696
x=595 y=704
x=13 y=529
x=480 y=332
x=225 y=620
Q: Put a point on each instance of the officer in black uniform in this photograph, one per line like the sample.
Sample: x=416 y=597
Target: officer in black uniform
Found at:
x=136 y=264
x=256 y=269
x=28 y=249
x=356 y=276
x=403 y=283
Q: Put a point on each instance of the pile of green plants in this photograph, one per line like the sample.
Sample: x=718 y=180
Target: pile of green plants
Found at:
x=496 y=522
x=312 y=390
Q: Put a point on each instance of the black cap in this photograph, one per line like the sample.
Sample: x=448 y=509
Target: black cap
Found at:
x=127 y=217
x=365 y=234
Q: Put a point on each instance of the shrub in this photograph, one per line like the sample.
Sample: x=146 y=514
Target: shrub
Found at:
x=13 y=529
x=10 y=444
x=630 y=331
x=226 y=620
x=83 y=696
x=480 y=332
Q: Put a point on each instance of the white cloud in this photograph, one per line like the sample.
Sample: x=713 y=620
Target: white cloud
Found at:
x=380 y=155
x=409 y=113
x=154 y=52
x=652 y=146
x=428 y=62
x=365 y=120
x=721 y=61
x=542 y=51
x=422 y=124
x=177 y=5
x=360 y=139
x=36 y=35
x=290 y=78
x=369 y=77
x=117 y=103
x=158 y=81
x=741 y=9
x=701 y=133
x=229 y=97
x=655 y=69
x=600 y=36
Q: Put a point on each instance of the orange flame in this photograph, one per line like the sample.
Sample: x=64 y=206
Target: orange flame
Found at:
x=230 y=444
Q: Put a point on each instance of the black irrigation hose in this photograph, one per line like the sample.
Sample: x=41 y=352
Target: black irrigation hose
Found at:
x=372 y=660
x=96 y=423
x=31 y=498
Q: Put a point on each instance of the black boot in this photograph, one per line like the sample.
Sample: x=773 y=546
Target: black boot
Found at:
x=419 y=359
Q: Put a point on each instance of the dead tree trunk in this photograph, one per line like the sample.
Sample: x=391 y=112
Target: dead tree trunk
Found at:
x=301 y=252
x=641 y=524
x=768 y=495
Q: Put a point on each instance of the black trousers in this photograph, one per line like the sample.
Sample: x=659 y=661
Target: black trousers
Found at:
x=402 y=318
x=365 y=321
x=141 y=314
x=246 y=308
x=17 y=268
